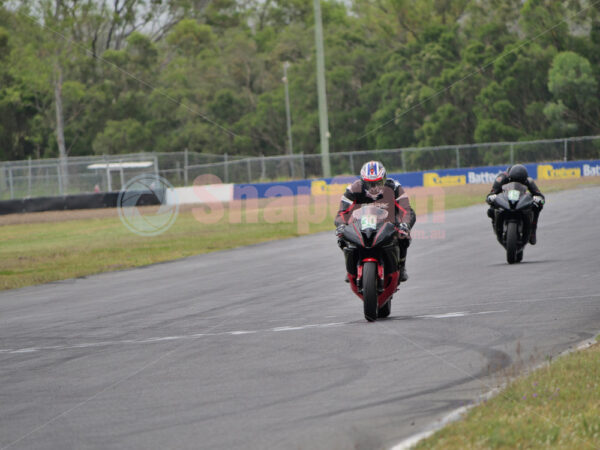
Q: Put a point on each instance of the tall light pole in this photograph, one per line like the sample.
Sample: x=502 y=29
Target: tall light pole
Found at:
x=288 y=117
x=323 y=121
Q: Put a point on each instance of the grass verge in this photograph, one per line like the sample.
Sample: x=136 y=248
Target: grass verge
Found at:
x=42 y=247
x=557 y=406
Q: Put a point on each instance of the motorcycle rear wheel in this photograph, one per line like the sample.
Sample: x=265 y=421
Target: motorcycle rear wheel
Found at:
x=369 y=285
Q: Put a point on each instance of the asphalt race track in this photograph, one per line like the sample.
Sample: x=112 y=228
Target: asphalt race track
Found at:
x=266 y=347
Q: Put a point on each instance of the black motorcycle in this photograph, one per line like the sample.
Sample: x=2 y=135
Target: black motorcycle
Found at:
x=370 y=240
x=512 y=220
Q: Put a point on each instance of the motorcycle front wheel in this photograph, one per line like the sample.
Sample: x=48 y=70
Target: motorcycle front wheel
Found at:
x=512 y=236
x=369 y=284
x=520 y=256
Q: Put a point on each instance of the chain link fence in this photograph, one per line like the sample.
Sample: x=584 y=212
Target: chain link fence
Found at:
x=86 y=174
x=48 y=177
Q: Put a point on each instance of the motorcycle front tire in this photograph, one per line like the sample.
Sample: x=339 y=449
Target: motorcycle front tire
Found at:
x=512 y=237
x=369 y=286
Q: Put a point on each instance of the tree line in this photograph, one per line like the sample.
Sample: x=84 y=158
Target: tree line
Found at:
x=80 y=77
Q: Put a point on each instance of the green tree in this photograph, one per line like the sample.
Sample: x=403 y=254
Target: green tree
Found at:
x=574 y=88
x=123 y=136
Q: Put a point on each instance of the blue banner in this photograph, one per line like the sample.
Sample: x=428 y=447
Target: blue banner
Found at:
x=430 y=178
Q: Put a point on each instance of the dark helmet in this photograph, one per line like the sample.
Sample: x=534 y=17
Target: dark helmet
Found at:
x=518 y=173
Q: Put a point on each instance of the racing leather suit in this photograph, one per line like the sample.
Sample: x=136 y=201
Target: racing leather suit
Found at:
x=503 y=179
x=394 y=199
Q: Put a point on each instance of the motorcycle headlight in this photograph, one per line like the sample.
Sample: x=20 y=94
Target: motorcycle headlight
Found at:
x=513 y=195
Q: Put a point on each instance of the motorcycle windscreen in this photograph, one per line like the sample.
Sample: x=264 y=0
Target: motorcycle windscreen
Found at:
x=525 y=202
x=368 y=217
x=514 y=186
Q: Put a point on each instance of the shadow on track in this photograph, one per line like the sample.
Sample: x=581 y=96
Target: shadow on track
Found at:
x=546 y=261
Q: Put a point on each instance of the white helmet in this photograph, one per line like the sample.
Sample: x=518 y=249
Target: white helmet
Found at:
x=373 y=175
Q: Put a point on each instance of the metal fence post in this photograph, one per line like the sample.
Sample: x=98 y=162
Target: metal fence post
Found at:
x=566 y=146
x=59 y=175
x=302 y=165
x=403 y=157
x=457 y=158
x=121 y=173
x=186 y=163
x=29 y=177
x=322 y=164
x=108 y=180
x=263 y=169
x=226 y=168
x=249 y=170
x=351 y=162
x=178 y=171
x=512 y=153
x=10 y=183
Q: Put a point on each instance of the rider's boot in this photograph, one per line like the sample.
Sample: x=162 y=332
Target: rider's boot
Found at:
x=534 y=223
x=403 y=273
x=402 y=265
x=350 y=258
x=532 y=236
x=491 y=213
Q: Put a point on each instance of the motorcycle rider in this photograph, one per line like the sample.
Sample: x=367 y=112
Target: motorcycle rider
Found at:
x=374 y=187
x=518 y=173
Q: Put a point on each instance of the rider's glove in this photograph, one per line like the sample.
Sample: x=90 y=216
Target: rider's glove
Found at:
x=490 y=199
x=538 y=200
x=403 y=230
x=339 y=231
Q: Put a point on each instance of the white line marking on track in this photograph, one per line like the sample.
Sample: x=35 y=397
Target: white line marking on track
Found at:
x=287 y=329
x=159 y=339
x=443 y=316
x=457 y=314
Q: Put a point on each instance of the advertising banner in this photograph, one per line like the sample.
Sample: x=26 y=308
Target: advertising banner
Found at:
x=429 y=178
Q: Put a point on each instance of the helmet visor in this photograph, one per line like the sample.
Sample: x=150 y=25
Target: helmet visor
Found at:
x=374 y=187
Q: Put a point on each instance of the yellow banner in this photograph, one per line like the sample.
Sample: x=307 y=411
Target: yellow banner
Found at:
x=432 y=179
x=548 y=172
x=320 y=187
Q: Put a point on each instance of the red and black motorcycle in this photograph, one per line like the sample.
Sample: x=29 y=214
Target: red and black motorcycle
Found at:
x=370 y=243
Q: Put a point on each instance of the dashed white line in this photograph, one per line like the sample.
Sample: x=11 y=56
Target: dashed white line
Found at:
x=458 y=314
x=159 y=339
